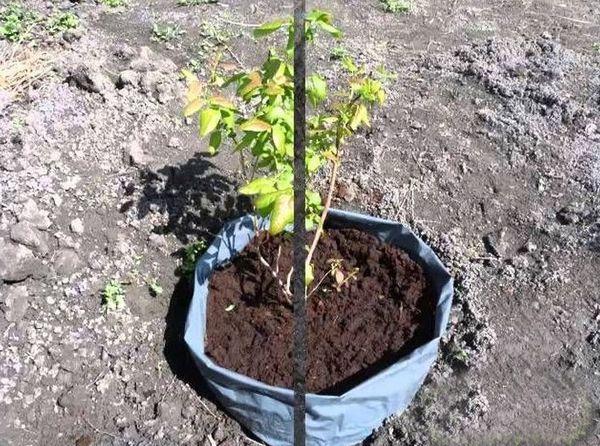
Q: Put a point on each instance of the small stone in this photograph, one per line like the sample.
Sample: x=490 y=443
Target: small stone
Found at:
x=174 y=143
x=136 y=155
x=91 y=79
x=72 y=35
x=129 y=77
x=570 y=214
x=157 y=241
x=495 y=244
x=34 y=215
x=529 y=247
x=590 y=129
x=149 y=82
x=71 y=183
x=26 y=234
x=347 y=190
x=73 y=400
x=219 y=433
x=66 y=262
x=168 y=410
x=77 y=226
x=85 y=440
x=188 y=412
x=17 y=262
x=5 y=99
x=16 y=303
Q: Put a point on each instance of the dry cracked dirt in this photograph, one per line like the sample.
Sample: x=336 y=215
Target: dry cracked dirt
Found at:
x=489 y=147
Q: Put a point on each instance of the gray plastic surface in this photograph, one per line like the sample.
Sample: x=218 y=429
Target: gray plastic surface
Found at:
x=346 y=419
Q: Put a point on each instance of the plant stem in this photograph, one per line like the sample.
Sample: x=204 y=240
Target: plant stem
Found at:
x=336 y=166
x=286 y=291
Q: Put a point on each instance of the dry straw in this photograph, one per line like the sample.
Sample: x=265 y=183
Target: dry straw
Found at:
x=20 y=66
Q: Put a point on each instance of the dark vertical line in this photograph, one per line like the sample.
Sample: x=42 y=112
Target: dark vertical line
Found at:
x=299 y=242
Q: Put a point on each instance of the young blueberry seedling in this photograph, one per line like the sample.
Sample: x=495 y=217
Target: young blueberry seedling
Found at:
x=258 y=125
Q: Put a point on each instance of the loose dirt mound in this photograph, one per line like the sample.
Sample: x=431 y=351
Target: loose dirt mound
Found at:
x=550 y=100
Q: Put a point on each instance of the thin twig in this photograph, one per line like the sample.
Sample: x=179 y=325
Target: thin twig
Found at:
x=336 y=166
x=211 y=440
x=162 y=398
x=247 y=25
x=288 y=281
x=203 y=404
x=318 y=285
x=570 y=19
x=98 y=431
x=253 y=441
x=232 y=54
x=285 y=290
x=277 y=259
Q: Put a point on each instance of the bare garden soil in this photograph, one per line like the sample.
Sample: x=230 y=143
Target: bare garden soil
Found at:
x=378 y=314
x=488 y=148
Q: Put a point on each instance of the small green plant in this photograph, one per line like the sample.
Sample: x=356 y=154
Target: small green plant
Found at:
x=596 y=47
x=16 y=23
x=214 y=39
x=113 y=3
x=61 y=22
x=166 y=32
x=113 y=296
x=191 y=254
x=195 y=2
x=259 y=126
x=396 y=6
x=154 y=286
x=338 y=52
x=341 y=276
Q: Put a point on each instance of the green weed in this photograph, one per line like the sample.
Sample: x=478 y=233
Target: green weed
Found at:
x=214 y=38
x=154 y=286
x=113 y=3
x=166 y=32
x=61 y=22
x=113 y=296
x=396 y=6
x=16 y=23
x=195 y=2
x=191 y=254
x=338 y=53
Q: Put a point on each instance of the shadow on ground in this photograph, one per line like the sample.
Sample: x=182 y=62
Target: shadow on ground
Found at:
x=196 y=199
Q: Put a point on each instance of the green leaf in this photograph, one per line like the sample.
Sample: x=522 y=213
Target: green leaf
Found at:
x=361 y=116
x=349 y=65
x=258 y=186
x=267 y=28
x=316 y=89
x=222 y=102
x=264 y=202
x=255 y=125
x=308 y=275
x=193 y=107
x=313 y=198
x=282 y=213
x=214 y=143
x=209 y=119
x=278 y=132
x=335 y=32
